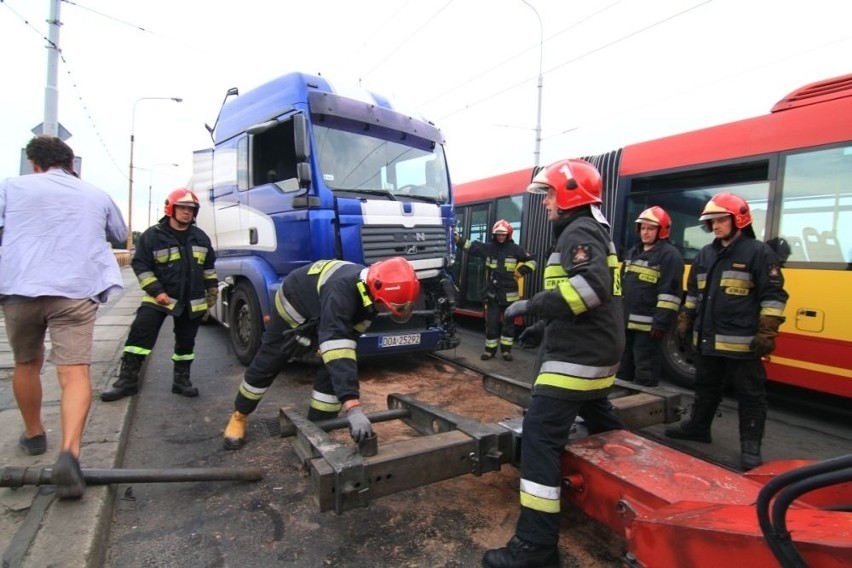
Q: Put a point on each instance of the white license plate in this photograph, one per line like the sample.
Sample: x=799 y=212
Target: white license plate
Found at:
x=399 y=340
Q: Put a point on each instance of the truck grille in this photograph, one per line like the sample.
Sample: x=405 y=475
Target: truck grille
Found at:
x=381 y=241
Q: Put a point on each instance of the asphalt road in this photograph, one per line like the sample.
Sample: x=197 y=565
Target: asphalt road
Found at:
x=276 y=521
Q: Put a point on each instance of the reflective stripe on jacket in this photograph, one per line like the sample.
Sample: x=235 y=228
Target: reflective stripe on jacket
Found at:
x=652 y=281
x=502 y=260
x=581 y=304
x=331 y=292
x=728 y=290
x=183 y=271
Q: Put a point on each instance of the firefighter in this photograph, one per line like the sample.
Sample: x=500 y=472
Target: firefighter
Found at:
x=578 y=357
x=734 y=305
x=503 y=260
x=325 y=305
x=174 y=263
x=652 y=280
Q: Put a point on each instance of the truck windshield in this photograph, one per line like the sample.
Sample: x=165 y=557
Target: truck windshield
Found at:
x=367 y=162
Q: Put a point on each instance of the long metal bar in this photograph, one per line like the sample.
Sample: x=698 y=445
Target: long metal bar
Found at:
x=12 y=476
x=637 y=406
x=288 y=429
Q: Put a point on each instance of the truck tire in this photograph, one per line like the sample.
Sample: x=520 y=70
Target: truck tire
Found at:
x=246 y=323
x=677 y=363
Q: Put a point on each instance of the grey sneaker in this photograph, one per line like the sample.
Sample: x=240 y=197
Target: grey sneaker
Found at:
x=34 y=446
x=67 y=477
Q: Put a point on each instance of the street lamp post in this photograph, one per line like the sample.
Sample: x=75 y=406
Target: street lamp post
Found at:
x=537 y=152
x=151 y=184
x=130 y=187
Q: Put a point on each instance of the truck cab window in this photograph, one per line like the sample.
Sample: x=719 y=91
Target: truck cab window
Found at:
x=273 y=156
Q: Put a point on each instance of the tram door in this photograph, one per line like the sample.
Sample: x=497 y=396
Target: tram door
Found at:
x=469 y=271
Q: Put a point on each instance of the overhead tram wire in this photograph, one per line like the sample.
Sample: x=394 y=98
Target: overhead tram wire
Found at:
x=519 y=54
x=379 y=29
x=101 y=14
x=575 y=59
x=700 y=87
x=73 y=84
x=408 y=38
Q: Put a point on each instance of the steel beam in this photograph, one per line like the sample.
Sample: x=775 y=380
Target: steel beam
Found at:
x=636 y=405
x=12 y=476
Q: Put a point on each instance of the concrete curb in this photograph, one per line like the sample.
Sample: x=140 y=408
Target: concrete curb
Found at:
x=42 y=531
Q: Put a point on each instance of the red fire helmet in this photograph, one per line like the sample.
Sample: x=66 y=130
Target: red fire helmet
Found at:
x=394 y=287
x=656 y=216
x=728 y=204
x=576 y=182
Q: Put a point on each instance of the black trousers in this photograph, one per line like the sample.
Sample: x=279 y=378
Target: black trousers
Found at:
x=749 y=379
x=268 y=362
x=546 y=429
x=642 y=359
x=498 y=326
x=146 y=327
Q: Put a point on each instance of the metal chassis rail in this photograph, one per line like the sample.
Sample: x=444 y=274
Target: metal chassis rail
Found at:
x=449 y=445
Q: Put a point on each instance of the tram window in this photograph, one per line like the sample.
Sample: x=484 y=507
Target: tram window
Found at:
x=816 y=210
x=689 y=234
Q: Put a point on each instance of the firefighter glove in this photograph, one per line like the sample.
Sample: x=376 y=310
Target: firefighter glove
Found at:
x=532 y=335
x=525 y=270
x=299 y=341
x=684 y=325
x=657 y=334
x=518 y=308
x=359 y=425
x=764 y=340
x=212 y=294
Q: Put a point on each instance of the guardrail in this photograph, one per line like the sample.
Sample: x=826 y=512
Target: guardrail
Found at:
x=122 y=256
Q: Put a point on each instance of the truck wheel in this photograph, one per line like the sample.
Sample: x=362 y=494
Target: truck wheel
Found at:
x=246 y=325
x=677 y=364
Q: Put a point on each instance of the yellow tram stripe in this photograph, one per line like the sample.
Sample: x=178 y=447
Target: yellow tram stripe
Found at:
x=827 y=369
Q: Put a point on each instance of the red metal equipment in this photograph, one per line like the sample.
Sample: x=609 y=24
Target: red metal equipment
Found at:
x=677 y=511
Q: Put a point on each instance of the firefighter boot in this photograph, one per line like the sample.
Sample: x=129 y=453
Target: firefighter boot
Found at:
x=507 y=355
x=235 y=431
x=697 y=428
x=750 y=454
x=519 y=553
x=128 y=378
x=751 y=433
x=488 y=354
x=180 y=383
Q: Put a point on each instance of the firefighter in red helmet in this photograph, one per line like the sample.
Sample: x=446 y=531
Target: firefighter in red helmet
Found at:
x=734 y=305
x=504 y=260
x=174 y=263
x=325 y=306
x=652 y=282
x=583 y=339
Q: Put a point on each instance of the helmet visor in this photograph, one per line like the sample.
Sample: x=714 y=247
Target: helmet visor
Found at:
x=537 y=187
x=400 y=313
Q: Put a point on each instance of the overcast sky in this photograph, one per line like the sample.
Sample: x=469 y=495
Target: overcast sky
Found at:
x=614 y=71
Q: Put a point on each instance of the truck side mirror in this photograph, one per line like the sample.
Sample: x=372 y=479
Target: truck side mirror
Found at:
x=303 y=174
x=300 y=138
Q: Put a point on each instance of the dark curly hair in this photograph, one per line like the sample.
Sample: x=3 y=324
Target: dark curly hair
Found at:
x=50 y=152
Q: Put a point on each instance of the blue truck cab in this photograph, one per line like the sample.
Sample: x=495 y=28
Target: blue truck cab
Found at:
x=299 y=172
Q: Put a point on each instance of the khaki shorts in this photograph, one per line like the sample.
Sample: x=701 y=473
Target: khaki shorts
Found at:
x=71 y=324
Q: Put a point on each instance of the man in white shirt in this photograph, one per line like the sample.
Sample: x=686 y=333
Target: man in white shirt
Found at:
x=56 y=267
